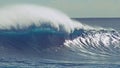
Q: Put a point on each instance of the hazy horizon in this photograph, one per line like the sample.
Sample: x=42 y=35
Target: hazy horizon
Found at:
x=76 y=8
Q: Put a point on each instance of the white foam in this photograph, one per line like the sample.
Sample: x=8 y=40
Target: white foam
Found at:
x=23 y=16
x=96 y=43
x=26 y=15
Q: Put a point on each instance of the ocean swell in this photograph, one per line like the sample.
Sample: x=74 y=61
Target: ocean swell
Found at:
x=33 y=30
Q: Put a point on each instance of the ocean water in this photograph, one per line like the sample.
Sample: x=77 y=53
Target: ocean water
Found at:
x=47 y=38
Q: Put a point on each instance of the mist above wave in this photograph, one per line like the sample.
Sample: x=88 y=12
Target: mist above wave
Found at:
x=24 y=16
x=21 y=17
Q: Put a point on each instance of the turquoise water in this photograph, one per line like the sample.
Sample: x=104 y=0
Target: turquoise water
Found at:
x=46 y=49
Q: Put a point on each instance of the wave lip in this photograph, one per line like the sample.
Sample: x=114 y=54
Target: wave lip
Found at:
x=25 y=16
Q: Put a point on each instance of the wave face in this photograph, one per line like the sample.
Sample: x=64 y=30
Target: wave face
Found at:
x=40 y=32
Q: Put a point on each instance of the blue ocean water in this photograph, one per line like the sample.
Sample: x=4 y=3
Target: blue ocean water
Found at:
x=47 y=48
x=40 y=37
x=103 y=22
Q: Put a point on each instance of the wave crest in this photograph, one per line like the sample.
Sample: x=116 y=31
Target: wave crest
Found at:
x=24 y=16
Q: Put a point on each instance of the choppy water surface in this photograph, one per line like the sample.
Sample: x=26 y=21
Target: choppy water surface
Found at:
x=48 y=38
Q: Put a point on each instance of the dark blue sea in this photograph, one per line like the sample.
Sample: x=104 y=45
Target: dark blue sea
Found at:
x=46 y=47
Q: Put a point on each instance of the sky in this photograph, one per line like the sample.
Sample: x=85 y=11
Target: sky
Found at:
x=76 y=8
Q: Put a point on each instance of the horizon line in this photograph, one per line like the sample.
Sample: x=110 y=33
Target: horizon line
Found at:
x=97 y=17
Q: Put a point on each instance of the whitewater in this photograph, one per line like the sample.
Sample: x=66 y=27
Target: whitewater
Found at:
x=47 y=35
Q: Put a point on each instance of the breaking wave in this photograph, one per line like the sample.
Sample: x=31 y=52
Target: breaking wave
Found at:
x=96 y=43
x=32 y=30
